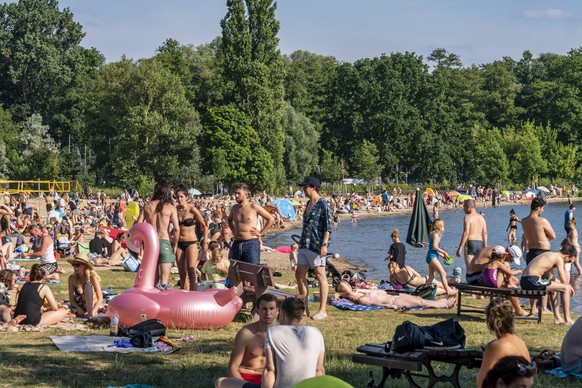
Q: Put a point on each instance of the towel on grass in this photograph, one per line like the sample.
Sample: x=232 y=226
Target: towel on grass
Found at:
x=91 y=343
x=67 y=324
x=559 y=372
x=344 y=304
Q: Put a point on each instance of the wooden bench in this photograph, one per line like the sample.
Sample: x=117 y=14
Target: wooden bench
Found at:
x=408 y=364
x=496 y=293
x=254 y=280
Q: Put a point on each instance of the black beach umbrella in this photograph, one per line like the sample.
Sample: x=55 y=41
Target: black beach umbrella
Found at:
x=420 y=222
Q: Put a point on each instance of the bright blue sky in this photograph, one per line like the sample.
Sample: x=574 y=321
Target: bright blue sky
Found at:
x=479 y=31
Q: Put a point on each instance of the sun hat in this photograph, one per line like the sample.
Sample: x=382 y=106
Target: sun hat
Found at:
x=457 y=272
x=81 y=258
x=515 y=253
x=312 y=181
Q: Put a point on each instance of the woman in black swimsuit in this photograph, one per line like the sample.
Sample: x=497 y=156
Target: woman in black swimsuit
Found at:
x=187 y=255
x=31 y=298
x=512 y=227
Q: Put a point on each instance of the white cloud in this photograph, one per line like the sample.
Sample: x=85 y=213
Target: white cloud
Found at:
x=548 y=14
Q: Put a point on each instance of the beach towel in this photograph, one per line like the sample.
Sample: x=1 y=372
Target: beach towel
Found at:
x=91 y=343
x=68 y=324
x=559 y=372
x=344 y=304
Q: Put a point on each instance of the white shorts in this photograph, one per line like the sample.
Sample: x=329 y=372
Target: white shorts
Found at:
x=310 y=258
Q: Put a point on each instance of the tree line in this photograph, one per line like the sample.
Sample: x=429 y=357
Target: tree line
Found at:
x=236 y=109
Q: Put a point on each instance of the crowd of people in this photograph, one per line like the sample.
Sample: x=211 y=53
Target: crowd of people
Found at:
x=198 y=237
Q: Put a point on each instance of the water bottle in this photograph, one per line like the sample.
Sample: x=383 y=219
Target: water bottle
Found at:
x=114 y=325
x=110 y=290
x=371 y=382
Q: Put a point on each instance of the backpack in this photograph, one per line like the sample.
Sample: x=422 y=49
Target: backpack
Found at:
x=426 y=291
x=445 y=334
x=141 y=335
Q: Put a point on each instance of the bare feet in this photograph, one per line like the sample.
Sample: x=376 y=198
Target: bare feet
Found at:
x=569 y=322
x=452 y=302
x=16 y=320
x=546 y=311
x=558 y=321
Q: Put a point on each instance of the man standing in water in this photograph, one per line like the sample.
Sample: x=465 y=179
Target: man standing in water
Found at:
x=474 y=236
x=243 y=220
x=317 y=229
x=538 y=232
x=161 y=212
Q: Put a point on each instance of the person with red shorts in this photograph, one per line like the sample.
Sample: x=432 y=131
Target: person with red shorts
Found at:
x=247 y=360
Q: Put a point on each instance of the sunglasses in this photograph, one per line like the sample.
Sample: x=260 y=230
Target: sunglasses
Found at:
x=524 y=369
x=77 y=265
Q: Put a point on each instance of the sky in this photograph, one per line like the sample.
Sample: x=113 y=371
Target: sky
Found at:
x=479 y=31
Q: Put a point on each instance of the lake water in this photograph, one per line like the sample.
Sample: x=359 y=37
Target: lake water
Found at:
x=365 y=243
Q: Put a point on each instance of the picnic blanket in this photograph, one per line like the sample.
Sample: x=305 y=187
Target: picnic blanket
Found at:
x=91 y=343
x=67 y=324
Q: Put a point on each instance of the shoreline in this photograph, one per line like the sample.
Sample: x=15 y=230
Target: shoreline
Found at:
x=280 y=261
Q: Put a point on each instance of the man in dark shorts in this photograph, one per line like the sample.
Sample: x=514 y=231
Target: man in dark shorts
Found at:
x=534 y=278
x=474 y=236
x=243 y=221
x=537 y=230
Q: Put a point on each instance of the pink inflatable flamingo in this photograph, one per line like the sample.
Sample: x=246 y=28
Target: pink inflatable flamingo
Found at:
x=177 y=309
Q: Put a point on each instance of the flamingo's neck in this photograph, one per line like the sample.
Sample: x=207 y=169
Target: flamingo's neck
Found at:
x=145 y=233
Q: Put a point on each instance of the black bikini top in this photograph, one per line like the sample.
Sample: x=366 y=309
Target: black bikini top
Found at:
x=188 y=222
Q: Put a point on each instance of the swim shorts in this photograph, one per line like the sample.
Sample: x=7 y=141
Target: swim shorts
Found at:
x=473 y=247
x=475 y=279
x=534 y=283
x=166 y=255
x=532 y=253
x=310 y=258
x=49 y=268
x=248 y=251
x=254 y=379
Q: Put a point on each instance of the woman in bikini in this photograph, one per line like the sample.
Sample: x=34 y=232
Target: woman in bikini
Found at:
x=187 y=255
x=31 y=299
x=119 y=252
x=512 y=227
x=408 y=277
x=396 y=302
x=84 y=287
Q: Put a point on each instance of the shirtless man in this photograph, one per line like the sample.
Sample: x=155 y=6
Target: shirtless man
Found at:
x=538 y=232
x=247 y=360
x=533 y=278
x=161 y=212
x=481 y=260
x=243 y=221
x=474 y=232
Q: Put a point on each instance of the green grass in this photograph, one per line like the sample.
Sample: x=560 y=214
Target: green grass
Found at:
x=30 y=358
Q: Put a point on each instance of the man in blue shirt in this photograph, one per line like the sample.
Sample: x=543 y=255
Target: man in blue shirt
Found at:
x=317 y=228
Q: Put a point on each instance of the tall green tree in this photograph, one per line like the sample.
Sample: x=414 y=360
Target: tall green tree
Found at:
x=234 y=148
x=524 y=151
x=253 y=72
x=492 y=164
x=43 y=68
x=143 y=127
x=39 y=155
x=366 y=161
x=301 y=144
x=331 y=167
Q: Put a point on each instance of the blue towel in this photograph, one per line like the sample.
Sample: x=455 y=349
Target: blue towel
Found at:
x=344 y=304
x=559 y=372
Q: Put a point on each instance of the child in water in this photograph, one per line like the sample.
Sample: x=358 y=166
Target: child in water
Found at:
x=434 y=251
x=512 y=227
x=354 y=217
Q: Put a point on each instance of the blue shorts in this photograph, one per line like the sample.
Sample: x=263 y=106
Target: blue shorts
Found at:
x=534 y=283
x=248 y=251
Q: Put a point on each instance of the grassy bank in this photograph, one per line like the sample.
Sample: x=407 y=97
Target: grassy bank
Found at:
x=30 y=358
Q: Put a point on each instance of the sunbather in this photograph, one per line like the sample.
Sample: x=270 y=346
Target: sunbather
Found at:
x=408 y=277
x=396 y=302
x=84 y=287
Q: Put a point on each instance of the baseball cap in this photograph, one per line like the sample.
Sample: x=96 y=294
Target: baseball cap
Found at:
x=457 y=272
x=498 y=251
x=537 y=202
x=515 y=253
x=312 y=181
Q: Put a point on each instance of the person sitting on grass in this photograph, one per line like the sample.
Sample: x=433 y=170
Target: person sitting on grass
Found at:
x=84 y=287
x=533 y=278
x=500 y=317
x=31 y=300
x=7 y=283
x=215 y=269
x=44 y=249
x=512 y=371
x=397 y=302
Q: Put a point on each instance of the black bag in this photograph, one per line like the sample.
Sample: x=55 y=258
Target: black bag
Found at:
x=446 y=334
x=142 y=334
x=426 y=291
